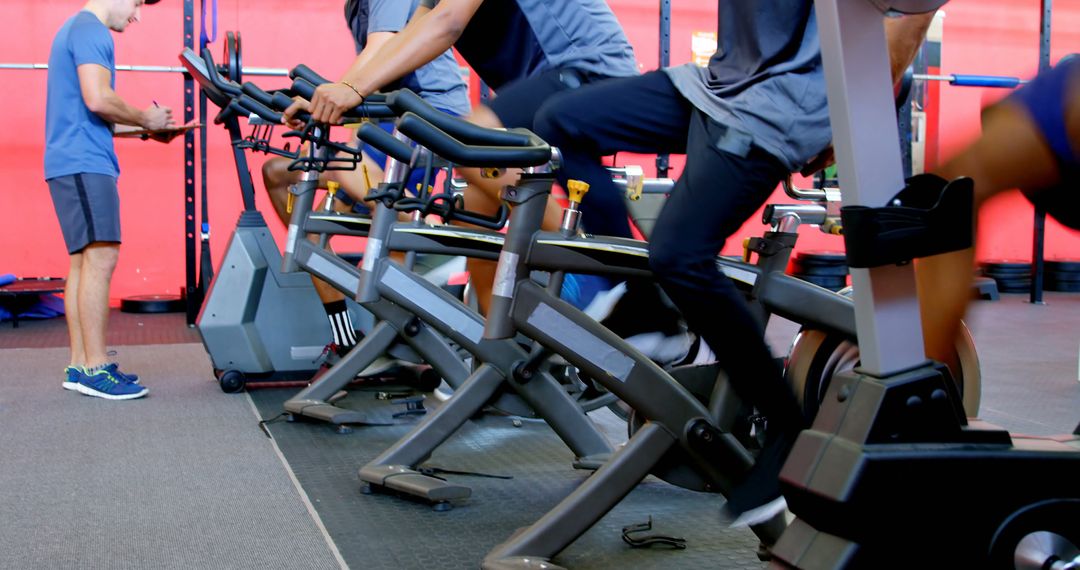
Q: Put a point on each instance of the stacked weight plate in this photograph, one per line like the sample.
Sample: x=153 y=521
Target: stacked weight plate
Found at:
x=826 y=269
x=1011 y=276
x=1063 y=275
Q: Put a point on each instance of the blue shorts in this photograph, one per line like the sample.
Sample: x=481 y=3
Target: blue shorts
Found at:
x=1046 y=101
x=379 y=158
x=88 y=207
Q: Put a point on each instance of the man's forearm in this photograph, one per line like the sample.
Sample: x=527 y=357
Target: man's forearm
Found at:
x=424 y=39
x=110 y=107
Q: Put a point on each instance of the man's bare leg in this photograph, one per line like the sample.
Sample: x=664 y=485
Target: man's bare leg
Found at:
x=482 y=196
x=277 y=179
x=71 y=311
x=98 y=264
x=1010 y=154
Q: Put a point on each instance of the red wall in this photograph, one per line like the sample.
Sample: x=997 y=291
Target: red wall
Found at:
x=987 y=36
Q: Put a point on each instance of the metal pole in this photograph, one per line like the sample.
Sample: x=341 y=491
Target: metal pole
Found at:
x=862 y=112
x=260 y=71
x=662 y=162
x=205 y=265
x=190 y=289
x=1039 y=237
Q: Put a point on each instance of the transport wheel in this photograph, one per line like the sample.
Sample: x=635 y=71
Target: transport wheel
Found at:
x=152 y=304
x=232 y=381
x=1044 y=536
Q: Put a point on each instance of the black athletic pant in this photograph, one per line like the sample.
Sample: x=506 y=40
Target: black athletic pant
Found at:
x=629 y=114
x=716 y=193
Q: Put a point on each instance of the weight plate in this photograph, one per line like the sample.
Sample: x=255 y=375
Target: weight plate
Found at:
x=1059 y=265
x=820 y=257
x=146 y=304
x=1065 y=287
x=821 y=270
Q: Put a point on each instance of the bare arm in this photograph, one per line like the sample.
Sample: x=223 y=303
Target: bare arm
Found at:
x=428 y=34
x=375 y=42
x=97 y=93
x=905 y=35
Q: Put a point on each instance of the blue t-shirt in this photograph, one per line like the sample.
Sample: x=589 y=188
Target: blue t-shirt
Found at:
x=509 y=40
x=77 y=140
x=438 y=82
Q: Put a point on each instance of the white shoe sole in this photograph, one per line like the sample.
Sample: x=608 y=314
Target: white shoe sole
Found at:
x=760 y=514
x=73 y=386
x=84 y=389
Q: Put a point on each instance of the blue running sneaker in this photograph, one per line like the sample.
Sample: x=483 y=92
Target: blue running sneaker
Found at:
x=74 y=373
x=104 y=384
x=114 y=369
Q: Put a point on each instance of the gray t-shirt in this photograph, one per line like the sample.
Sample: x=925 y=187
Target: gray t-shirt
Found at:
x=509 y=40
x=765 y=82
x=438 y=82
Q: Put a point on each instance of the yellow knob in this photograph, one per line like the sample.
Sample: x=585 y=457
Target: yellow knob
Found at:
x=289 y=203
x=577 y=190
x=746 y=250
x=333 y=187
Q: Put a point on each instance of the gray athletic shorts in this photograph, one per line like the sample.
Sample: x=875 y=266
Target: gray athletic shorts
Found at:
x=88 y=207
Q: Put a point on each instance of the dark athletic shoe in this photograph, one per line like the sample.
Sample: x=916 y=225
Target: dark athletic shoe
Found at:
x=109 y=386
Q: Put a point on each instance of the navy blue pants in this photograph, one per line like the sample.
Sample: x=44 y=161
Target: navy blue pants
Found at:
x=715 y=194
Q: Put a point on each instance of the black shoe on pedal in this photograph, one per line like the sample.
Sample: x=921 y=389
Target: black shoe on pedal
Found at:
x=643 y=310
x=757 y=499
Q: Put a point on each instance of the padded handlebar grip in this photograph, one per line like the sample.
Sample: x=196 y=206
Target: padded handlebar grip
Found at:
x=404 y=101
x=454 y=150
x=373 y=135
x=257 y=93
x=280 y=101
x=304 y=88
x=371 y=108
x=307 y=74
x=248 y=105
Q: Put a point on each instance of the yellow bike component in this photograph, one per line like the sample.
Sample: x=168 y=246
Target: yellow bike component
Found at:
x=577 y=190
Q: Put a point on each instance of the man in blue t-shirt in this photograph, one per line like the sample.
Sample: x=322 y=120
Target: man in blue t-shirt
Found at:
x=372 y=23
x=82 y=113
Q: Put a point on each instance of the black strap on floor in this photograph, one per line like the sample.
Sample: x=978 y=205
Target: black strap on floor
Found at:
x=436 y=471
x=264 y=423
x=648 y=541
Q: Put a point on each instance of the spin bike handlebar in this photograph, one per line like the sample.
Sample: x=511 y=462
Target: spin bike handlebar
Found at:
x=372 y=107
x=404 y=101
x=535 y=152
x=307 y=74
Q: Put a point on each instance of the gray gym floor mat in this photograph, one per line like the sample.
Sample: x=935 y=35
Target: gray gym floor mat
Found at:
x=180 y=479
x=124 y=329
x=383 y=531
x=1029 y=356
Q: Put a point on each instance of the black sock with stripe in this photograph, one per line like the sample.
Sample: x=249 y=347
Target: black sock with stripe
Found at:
x=345 y=336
